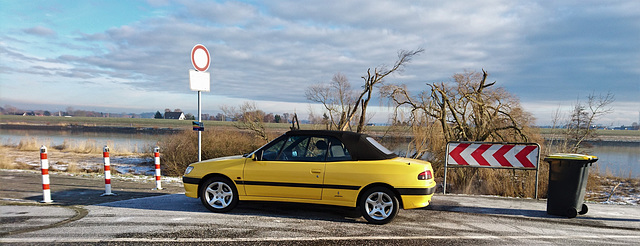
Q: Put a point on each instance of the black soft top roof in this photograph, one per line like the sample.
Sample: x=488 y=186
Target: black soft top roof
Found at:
x=357 y=144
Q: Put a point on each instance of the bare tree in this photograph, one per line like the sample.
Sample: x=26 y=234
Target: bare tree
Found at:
x=343 y=104
x=583 y=117
x=377 y=78
x=470 y=109
x=337 y=98
x=248 y=116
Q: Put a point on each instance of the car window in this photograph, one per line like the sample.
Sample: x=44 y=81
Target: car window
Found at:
x=317 y=149
x=293 y=147
x=270 y=153
x=337 y=151
x=304 y=148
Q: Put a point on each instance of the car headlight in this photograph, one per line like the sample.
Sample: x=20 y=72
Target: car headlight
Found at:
x=189 y=169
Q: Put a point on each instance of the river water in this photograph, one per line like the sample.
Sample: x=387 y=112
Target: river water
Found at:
x=621 y=160
x=135 y=143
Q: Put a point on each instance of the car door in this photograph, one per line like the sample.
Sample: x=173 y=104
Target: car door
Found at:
x=290 y=168
x=343 y=175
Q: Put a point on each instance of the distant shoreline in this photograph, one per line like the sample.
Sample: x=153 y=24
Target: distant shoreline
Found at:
x=84 y=128
x=633 y=141
x=615 y=140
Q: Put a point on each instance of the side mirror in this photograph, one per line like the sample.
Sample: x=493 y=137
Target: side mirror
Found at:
x=257 y=156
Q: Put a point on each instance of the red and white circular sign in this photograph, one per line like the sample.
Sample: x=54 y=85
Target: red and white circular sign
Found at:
x=200 y=58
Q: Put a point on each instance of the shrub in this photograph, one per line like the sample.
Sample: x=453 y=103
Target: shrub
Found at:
x=181 y=149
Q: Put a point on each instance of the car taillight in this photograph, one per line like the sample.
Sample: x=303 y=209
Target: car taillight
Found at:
x=425 y=175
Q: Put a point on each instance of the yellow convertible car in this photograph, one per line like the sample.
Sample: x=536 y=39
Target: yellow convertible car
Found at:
x=321 y=167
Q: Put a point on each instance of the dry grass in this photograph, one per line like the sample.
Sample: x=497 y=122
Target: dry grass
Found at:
x=180 y=150
x=5 y=161
x=9 y=162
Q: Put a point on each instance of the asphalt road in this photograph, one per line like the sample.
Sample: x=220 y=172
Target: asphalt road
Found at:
x=142 y=216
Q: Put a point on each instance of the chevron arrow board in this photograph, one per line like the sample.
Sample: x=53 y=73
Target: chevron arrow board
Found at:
x=493 y=155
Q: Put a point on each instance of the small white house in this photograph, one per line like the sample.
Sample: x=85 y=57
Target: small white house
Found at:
x=174 y=115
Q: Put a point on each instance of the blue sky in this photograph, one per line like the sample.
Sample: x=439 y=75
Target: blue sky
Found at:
x=134 y=56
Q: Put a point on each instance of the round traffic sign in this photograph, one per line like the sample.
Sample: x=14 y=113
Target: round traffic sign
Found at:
x=200 y=58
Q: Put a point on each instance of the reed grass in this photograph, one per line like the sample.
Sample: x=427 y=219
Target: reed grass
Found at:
x=32 y=144
x=5 y=161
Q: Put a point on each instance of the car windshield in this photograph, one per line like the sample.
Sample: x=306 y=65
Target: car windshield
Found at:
x=379 y=146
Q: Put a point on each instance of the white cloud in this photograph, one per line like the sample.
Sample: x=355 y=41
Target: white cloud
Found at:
x=271 y=51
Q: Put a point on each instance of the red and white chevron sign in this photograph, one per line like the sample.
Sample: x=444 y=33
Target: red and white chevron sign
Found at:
x=493 y=155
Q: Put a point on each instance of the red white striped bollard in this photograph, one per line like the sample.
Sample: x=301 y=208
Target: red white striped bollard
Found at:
x=44 y=165
x=156 y=154
x=107 y=172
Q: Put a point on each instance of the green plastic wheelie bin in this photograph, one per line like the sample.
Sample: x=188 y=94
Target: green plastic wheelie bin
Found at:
x=568 y=174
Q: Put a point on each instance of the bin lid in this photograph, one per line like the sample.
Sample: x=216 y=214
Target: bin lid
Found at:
x=576 y=157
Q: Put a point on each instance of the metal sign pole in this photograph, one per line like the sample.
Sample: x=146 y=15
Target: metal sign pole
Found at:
x=537 y=173
x=199 y=132
x=446 y=161
x=199 y=81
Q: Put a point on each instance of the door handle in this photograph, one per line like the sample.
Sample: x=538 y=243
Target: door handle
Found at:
x=316 y=170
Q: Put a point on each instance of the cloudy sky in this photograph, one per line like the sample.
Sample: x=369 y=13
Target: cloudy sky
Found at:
x=134 y=56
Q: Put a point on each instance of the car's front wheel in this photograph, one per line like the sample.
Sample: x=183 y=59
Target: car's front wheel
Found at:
x=219 y=194
x=378 y=205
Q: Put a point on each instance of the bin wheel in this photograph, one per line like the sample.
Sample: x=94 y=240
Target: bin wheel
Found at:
x=584 y=210
x=572 y=212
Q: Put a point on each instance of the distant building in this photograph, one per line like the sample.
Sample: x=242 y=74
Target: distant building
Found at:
x=174 y=115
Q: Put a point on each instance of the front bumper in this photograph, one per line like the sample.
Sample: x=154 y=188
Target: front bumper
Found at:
x=191 y=186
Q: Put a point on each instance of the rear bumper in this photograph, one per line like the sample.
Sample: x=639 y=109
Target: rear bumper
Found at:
x=416 y=191
x=416 y=198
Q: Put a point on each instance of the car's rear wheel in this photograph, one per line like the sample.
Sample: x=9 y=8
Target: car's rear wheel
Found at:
x=219 y=194
x=378 y=205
